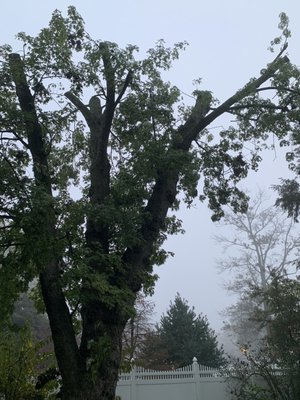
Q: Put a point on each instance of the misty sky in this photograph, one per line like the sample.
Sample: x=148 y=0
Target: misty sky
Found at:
x=228 y=43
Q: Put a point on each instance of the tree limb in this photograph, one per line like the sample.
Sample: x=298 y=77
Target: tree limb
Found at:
x=109 y=74
x=261 y=106
x=164 y=191
x=124 y=87
x=57 y=309
x=79 y=105
x=249 y=88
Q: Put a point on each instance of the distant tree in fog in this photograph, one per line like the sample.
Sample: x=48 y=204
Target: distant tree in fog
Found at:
x=263 y=246
x=136 y=329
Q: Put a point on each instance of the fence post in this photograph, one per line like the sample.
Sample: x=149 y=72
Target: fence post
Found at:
x=133 y=383
x=197 y=378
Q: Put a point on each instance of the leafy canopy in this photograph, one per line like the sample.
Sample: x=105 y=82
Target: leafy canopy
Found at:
x=147 y=124
x=97 y=150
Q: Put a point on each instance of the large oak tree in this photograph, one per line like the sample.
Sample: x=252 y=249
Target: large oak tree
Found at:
x=95 y=150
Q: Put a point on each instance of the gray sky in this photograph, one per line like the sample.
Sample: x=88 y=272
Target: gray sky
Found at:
x=228 y=45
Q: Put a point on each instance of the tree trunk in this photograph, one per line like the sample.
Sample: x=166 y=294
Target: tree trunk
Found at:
x=100 y=390
x=103 y=362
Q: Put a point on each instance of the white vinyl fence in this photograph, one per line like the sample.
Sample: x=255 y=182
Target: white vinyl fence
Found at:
x=193 y=382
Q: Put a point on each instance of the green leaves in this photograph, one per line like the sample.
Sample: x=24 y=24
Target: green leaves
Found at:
x=147 y=132
x=20 y=360
x=285 y=34
x=144 y=142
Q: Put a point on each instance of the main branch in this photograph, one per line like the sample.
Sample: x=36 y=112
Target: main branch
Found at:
x=63 y=335
x=165 y=188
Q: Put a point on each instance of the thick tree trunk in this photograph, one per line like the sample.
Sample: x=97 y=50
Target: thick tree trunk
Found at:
x=100 y=390
x=103 y=358
x=102 y=323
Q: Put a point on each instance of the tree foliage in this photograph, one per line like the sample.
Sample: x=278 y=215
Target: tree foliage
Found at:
x=21 y=360
x=180 y=336
x=95 y=149
x=273 y=371
x=289 y=197
x=153 y=353
x=289 y=189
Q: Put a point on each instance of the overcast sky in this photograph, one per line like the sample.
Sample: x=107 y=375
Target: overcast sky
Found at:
x=228 y=45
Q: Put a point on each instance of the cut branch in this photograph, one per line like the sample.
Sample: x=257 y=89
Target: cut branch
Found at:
x=109 y=74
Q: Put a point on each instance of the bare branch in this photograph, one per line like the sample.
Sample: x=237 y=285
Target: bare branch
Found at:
x=124 y=87
x=261 y=106
x=17 y=137
x=286 y=89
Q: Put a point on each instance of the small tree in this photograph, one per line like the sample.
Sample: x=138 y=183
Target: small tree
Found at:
x=283 y=322
x=153 y=353
x=183 y=335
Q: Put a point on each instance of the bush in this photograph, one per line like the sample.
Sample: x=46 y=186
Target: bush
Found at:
x=21 y=361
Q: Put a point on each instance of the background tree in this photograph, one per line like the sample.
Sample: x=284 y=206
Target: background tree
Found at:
x=25 y=313
x=183 y=335
x=283 y=340
x=273 y=371
x=153 y=353
x=78 y=113
x=136 y=329
x=265 y=246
